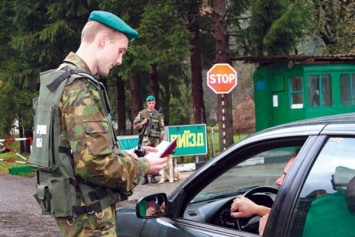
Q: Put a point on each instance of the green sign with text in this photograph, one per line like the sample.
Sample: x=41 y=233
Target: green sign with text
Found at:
x=192 y=139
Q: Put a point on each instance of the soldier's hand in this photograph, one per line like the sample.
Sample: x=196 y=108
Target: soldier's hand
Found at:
x=144 y=121
x=132 y=154
x=156 y=164
x=148 y=149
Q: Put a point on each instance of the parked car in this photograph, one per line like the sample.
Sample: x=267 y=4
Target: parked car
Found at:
x=317 y=197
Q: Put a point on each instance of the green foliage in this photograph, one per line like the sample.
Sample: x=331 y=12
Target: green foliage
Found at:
x=334 y=23
x=36 y=35
x=164 y=39
x=277 y=26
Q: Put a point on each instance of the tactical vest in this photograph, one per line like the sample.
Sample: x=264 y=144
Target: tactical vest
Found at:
x=57 y=185
x=153 y=128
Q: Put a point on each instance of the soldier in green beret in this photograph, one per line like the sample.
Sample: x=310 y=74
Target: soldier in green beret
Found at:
x=154 y=132
x=99 y=164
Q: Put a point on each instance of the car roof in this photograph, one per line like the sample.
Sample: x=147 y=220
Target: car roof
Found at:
x=333 y=124
x=347 y=118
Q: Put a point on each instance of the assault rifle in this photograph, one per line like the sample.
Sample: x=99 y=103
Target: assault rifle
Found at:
x=139 y=150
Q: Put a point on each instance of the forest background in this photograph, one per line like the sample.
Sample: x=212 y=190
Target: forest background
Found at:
x=179 y=40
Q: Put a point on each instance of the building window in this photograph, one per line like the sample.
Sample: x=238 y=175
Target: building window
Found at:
x=320 y=90
x=296 y=92
x=347 y=89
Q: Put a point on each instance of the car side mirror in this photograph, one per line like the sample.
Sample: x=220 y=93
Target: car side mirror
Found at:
x=152 y=206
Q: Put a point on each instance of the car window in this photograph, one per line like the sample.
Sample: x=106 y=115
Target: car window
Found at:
x=261 y=169
x=326 y=204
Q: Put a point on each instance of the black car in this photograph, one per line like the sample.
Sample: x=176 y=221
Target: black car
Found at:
x=317 y=197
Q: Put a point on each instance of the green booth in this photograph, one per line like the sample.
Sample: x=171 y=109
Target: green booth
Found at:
x=290 y=88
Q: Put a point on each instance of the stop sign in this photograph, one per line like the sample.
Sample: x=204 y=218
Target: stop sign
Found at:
x=222 y=78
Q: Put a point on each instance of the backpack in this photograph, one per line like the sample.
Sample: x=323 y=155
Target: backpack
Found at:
x=52 y=160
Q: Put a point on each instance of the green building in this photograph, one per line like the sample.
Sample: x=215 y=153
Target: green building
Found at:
x=290 y=88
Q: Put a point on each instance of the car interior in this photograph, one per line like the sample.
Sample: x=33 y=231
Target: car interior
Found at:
x=253 y=178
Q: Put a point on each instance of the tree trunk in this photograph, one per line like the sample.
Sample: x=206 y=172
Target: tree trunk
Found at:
x=164 y=105
x=136 y=98
x=121 y=105
x=199 y=113
x=224 y=102
x=153 y=83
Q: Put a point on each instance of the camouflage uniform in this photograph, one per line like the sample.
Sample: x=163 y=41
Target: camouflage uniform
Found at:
x=86 y=127
x=154 y=132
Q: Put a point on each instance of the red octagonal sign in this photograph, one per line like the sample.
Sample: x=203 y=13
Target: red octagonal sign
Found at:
x=222 y=78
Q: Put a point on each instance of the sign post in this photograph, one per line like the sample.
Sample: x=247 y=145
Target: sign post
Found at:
x=222 y=78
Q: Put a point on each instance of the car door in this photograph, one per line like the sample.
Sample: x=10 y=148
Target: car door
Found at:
x=201 y=206
x=325 y=204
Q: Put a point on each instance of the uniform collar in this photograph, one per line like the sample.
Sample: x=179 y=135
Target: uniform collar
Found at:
x=74 y=59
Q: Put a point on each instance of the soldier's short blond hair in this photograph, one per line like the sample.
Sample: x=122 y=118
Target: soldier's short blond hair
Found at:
x=92 y=28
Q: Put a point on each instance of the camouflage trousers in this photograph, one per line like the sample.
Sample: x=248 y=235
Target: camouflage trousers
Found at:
x=90 y=225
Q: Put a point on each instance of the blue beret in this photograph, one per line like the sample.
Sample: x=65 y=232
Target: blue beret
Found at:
x=150 y=98
x=114 y=22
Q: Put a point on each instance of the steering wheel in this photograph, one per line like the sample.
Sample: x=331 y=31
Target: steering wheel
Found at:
x=251 y=224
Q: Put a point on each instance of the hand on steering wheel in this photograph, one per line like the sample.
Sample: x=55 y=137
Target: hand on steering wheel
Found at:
x=248 y=212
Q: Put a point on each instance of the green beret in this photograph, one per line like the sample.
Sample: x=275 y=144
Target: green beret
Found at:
x=150 y=98
x=114 y=22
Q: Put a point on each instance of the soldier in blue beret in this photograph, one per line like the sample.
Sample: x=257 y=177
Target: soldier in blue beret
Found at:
x=108 y=173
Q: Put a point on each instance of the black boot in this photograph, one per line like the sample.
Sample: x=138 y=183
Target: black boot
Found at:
x=145 y=180
x=153 y=180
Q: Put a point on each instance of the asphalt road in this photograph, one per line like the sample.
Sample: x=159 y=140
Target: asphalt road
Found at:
x=20 y=215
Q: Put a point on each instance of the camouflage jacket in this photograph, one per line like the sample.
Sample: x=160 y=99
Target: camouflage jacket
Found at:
x=155 y=127
x=87 y=128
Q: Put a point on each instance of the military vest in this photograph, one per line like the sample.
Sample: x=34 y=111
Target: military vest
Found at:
x=153 y=127
x=57 y=186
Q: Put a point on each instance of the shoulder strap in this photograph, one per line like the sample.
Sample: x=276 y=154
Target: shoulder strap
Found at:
x=57 y=81
x=67 y=72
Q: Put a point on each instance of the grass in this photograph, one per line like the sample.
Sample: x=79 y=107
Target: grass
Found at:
x=7 y=161
x=236 y=138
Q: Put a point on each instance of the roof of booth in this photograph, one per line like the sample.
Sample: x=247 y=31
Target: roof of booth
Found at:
x=298 y=59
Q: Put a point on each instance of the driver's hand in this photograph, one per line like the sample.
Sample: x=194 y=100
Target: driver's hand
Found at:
x=243 y=207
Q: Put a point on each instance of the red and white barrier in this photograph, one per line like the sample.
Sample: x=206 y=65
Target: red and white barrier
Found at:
x=11 y=150
x=17 y=139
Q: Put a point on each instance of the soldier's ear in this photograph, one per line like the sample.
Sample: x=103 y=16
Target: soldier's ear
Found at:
x=102 y=38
